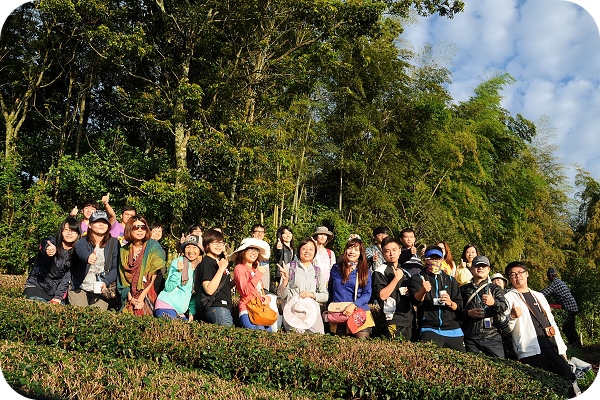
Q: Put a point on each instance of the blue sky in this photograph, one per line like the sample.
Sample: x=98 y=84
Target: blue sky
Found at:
x=551 y=48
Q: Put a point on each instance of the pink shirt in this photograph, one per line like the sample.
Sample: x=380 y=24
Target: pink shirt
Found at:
x=246 y=281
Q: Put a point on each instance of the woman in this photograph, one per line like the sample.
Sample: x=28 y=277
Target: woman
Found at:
x=176 y=299
x=49 y=277
x=324 y=258
x=213 y=282
x=96 y=259
x=247 y=276
x=284 y=249
x=303 y=278
x=343 y=285
x=141 y=258
x=448 y=264
x=463 y=273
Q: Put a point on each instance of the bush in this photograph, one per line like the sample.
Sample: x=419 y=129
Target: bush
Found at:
x=326 y=365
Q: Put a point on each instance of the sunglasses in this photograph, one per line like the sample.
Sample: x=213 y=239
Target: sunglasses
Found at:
x=139 y=228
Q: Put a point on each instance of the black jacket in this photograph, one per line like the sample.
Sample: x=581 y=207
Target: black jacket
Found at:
x=382 y=277
x=52 y=274
x=435 y=316
x=475 y=328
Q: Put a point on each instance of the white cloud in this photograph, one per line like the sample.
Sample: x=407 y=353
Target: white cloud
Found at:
x=551 y=48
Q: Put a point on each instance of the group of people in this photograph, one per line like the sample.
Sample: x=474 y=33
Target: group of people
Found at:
x=423 y=294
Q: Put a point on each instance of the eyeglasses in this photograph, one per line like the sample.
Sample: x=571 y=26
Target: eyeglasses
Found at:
x=219 y=243
x=515 y=274
x=139 y=228
x=432 y=259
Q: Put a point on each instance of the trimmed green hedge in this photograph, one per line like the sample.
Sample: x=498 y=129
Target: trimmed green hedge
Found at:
x=50 y=372
x=325 y=365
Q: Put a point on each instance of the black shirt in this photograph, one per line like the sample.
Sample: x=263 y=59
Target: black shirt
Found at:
x=206 y=271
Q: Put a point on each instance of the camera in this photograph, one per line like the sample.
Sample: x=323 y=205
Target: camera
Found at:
x=438 y=302
x=487 y=323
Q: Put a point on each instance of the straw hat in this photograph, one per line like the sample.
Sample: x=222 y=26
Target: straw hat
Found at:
x=261 y=245
x=301 y=313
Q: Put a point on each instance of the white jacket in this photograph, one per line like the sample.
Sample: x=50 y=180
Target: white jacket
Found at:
x=523 y=333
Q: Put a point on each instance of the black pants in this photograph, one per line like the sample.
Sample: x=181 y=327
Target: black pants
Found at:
x=456 y=343
x=492 y=346
x=570 y=330
x=551 y=361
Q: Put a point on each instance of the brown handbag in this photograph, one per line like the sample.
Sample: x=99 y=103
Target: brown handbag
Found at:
x=261 y=314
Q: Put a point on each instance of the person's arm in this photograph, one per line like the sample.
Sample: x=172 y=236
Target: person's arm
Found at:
x=112 y=217
x=321 y=294
x=210 y=287
x=386 y=291
x=419 y=287
x=367 y=290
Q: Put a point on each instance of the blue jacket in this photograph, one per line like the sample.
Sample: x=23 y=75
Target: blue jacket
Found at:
x=80 y=267
x=339 y=291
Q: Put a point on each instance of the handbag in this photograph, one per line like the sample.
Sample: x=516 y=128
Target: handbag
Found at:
x=335 y=311
x=261 y=314
x=548 y=330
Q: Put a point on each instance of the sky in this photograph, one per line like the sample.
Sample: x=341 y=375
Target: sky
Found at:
x=550 y=47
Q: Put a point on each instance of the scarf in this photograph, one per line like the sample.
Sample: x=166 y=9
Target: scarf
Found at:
x=133 y=268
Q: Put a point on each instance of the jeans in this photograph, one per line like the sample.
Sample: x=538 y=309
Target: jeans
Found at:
x=219 y=315
x=245 y=322
x=168 y=314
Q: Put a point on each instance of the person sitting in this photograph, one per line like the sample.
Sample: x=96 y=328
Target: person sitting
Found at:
x=390 y=289
x=350 y=281
x=303 y=279
x=175 y=300
x=247 y=276
x=96 y=259
x=141 y=258
x=50 y=274
x=213 y=281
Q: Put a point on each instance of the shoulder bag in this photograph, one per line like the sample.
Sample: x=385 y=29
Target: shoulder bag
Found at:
x=335 y=310
x=261 y=314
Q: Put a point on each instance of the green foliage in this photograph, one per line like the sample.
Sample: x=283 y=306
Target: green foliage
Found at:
x=324 y=365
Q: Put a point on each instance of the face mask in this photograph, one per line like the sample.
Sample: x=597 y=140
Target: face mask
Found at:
x=433 y=267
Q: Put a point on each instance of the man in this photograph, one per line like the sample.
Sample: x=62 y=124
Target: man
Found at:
x=438 y=302
x=117 y=229
x=390 y=289
x=563 y=295
x=535 y=336
x=373 y=252
x=258 y=232
x=409 y=250
x=483 y=301
x=88 y=208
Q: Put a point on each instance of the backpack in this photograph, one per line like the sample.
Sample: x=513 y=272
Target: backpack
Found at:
x=292 y=272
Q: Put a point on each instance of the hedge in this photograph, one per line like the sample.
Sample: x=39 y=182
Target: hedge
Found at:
x=326 y=365
x=50 y=372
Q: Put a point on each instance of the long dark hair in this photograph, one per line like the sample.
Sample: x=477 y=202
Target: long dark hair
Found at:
x=362 y=268
x=467 y=247
x=280 y=231
x=105 y=238
x=74 y=226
